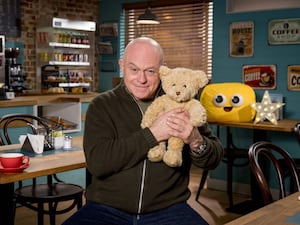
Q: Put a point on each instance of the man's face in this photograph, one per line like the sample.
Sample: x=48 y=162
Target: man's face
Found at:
x=140 y=68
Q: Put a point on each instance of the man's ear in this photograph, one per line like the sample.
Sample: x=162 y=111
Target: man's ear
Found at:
x=121 y=65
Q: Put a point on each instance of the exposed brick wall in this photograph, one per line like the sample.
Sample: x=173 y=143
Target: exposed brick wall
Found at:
x=32 y=10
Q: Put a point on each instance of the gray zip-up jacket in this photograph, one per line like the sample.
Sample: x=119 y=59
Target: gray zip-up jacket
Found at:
x=116 y=149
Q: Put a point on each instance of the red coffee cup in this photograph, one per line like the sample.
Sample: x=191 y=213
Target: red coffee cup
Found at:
x=13 y=160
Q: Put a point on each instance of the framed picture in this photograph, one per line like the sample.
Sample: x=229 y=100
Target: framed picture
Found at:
x=108 y=29
x=293 y=77
x=260 y=76
x=241 y=39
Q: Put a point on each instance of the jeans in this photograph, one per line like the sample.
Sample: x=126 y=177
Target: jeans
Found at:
x=97 y=214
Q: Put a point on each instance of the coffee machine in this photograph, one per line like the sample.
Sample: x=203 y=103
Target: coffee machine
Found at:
x=14 y=75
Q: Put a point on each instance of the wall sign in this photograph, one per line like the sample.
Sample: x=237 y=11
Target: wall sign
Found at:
x=108 y=30
x=294 y=77
x=284 y=31
x=241 y=39
x=260 y=76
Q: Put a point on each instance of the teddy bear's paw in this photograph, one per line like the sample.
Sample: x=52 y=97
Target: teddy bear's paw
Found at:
x=173 y=158
x=156 y=154
x=144 y=124
x=199 y=120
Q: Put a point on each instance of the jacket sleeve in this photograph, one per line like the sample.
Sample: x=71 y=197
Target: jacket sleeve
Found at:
x=213 y=155
x=113 y=139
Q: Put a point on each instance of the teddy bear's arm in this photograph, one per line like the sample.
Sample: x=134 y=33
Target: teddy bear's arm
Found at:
x=197 y=113
x=156 y=107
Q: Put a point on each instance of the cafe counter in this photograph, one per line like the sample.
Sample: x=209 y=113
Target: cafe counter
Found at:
x=41 y=99
x=68 y=109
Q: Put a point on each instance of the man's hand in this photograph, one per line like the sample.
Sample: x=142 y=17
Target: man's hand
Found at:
x=176 y=123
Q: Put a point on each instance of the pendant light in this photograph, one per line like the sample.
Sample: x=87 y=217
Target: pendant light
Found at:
x=147 y=18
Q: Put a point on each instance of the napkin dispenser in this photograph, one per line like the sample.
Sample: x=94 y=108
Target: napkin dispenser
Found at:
x=34 y=144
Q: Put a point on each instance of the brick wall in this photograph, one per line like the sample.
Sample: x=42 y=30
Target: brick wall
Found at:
x=32 y=10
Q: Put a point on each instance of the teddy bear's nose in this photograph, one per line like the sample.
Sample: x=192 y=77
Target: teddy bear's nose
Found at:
x=177 y=92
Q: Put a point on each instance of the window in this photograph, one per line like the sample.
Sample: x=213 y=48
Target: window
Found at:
x=184 y=32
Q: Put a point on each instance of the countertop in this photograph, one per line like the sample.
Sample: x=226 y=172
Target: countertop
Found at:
x=40 y=99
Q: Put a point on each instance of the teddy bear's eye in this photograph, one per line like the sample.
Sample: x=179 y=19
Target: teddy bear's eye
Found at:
x=173 y=85
x=237 y=100
x=219 y=100
x=184 y=86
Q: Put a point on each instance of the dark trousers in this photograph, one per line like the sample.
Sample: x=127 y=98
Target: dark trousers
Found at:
x=97 y=214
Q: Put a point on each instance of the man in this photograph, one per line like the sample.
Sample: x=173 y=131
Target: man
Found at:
x=127 y=188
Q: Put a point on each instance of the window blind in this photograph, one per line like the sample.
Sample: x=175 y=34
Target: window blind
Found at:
x=184 y=32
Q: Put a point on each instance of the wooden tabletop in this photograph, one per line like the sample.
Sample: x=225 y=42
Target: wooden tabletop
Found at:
x=275 y=213
x=42 y=165
x=284 y=125
x=39 y=99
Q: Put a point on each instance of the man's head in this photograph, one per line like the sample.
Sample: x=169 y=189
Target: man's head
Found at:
x=140 y=65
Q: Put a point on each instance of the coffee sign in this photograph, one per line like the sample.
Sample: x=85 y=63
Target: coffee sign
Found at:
x=260 y=76
x=294 y=77
x=284 y=31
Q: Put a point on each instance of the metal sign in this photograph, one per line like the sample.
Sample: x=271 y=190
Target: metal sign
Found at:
x=260 y=76
x=294 y=77
x=284 y=31
x=241 y=39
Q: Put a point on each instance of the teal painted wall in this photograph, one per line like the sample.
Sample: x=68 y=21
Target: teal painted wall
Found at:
x=227 y=69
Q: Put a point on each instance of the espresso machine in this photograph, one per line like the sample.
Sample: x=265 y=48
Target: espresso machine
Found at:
x=14 y=75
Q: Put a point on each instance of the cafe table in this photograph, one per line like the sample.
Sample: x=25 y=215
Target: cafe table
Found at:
x=285 y=211
x=40 y=165
x=259 y=134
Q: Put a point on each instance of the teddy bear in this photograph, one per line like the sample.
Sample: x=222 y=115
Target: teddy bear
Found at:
x=180 y=86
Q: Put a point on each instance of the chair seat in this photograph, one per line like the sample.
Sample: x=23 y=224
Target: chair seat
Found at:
x=49 y=193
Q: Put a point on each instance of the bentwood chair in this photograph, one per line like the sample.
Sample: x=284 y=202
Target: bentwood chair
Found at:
x=297 y=132
x=296 y=160
x=1 y=140
x=36 y=195
x=262 y=152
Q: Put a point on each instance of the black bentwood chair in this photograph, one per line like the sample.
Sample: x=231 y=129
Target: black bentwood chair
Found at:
x=35 y=196
x=296 y=160
x=259 y=153
x=297 y=132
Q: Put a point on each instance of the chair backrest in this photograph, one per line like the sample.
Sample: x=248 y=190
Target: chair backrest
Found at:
x=297 y=131
x=26 y=120
x=258 y=153
x=1 y=141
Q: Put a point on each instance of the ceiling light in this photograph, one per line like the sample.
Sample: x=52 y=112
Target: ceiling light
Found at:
x=147 y=18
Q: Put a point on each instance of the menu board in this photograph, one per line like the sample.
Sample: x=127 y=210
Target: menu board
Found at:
x=10 y=18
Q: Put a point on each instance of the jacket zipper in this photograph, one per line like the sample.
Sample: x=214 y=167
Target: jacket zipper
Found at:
x=142 y=188
x=140 y=202
x=143 y=177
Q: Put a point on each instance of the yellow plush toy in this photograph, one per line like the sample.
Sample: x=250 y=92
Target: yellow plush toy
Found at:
x=180 y=85
x=228 y=102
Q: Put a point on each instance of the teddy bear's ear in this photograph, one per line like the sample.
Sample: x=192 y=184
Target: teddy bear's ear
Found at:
x=163 y=71
x=201 y=78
